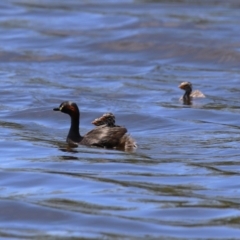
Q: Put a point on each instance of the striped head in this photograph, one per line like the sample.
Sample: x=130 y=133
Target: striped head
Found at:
x=106 y=119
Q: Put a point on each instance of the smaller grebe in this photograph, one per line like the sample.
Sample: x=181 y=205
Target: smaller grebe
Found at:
x=107 y=119
x=189 y=94
x=102 y=136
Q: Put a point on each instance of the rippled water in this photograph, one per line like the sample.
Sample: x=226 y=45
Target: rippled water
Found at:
x=127 y=57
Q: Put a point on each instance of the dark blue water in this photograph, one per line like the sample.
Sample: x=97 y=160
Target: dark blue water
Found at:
x=125 y=57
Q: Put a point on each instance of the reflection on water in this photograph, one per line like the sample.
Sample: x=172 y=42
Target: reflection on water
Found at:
x=128 y=58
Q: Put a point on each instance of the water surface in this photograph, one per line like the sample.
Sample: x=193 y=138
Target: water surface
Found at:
x=126 y=57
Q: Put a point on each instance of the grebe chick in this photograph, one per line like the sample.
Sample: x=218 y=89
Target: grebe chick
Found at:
x=189 y=94
x=102 y=136
x=107 y=119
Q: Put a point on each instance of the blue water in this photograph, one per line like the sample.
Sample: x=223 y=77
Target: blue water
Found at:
x=125 y=57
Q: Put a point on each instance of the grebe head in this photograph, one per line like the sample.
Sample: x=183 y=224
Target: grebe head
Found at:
x=68 y=107
x=105 y=119
x=187 y=86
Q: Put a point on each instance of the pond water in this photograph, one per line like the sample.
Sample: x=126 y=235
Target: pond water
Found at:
x=126 y=57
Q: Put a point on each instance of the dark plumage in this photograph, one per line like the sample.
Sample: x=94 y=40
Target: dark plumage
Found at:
x=102 y=136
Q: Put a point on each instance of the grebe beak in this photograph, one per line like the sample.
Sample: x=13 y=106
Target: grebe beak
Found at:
x=180 y=86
